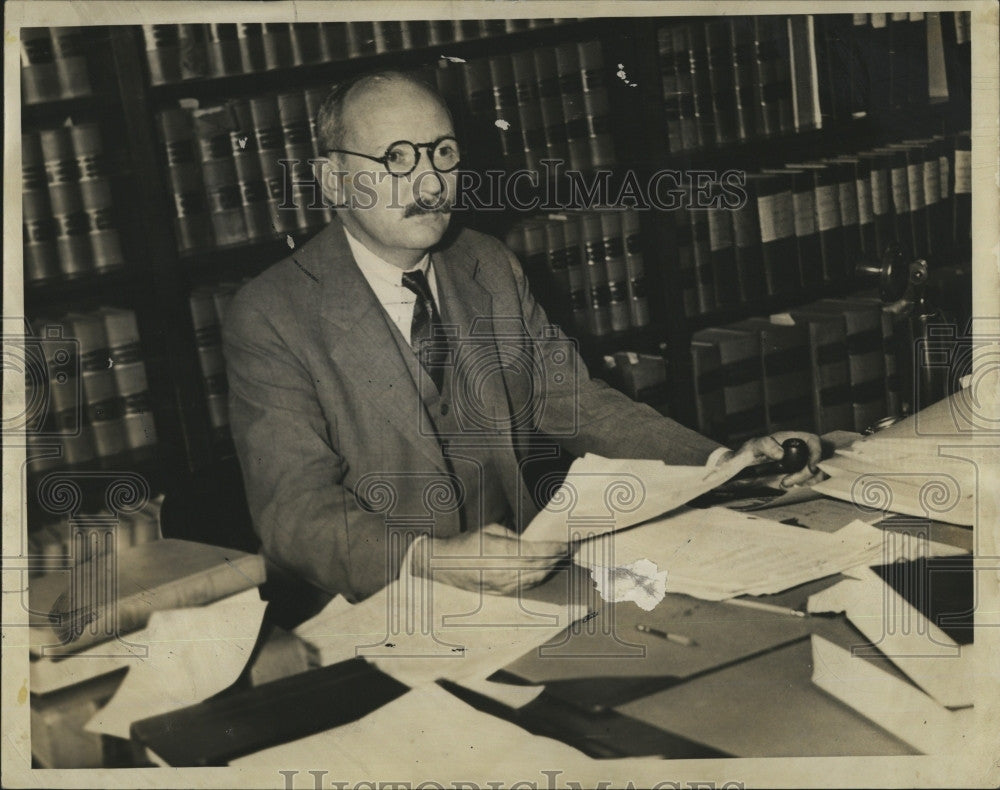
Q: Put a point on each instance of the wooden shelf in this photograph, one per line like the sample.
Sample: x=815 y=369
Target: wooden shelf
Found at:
x=92 y=284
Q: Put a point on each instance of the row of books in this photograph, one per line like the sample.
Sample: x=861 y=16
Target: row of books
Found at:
x=69 y=222
x=733 y=79
x=53 y=543
x=587 y=267
x=54 y=64
x=182 y=52
x=208 y=305
x=869 y=62
x=225 y=171
x=830 y=365
x=806 y=225
x=91 y=397
x=514 y=110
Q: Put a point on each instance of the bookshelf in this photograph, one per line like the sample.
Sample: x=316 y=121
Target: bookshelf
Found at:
x=717 y=123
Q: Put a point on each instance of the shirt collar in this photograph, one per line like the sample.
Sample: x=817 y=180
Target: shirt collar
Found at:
x=373 y=265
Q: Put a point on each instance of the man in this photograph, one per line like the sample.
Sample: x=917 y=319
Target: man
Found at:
x=346 y=436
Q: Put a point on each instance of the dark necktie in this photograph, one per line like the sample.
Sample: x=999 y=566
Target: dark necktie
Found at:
x=426 y=327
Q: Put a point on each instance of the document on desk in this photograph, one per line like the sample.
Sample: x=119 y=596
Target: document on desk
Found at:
x=921 y=650
x=903 y=475
x=601 y=495
x=715 y=553
x=193 y=653
x=890 y=702
x=418 y=631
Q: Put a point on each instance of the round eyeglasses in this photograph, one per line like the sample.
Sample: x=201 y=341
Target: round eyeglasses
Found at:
x=402 y=157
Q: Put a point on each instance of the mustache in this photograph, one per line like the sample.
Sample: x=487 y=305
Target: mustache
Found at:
x=423 y=207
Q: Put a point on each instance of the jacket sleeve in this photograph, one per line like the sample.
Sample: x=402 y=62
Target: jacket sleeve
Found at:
x=585 y=414
x=307 y=520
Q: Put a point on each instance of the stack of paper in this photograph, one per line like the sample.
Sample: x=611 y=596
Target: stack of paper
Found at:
x=933 y=715
x=418 y=630
x=715 y=554
x=906 y=475
x=601 y=495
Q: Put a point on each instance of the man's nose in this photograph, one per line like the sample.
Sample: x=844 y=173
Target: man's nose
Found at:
x=426 y=180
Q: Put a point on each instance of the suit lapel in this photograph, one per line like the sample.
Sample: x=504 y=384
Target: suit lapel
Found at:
x=364 y=342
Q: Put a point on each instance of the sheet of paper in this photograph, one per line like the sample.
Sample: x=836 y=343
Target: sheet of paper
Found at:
x=716 y=553
x=193 y=654
x=419 y=631
x=430 y=735
x=921 y=650
x=891 y=703
x=601 y=495
x=887 y=493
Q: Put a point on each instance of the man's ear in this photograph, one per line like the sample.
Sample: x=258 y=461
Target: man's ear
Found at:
x=331 y=180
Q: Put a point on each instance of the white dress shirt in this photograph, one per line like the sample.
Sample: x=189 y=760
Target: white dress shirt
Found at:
x=386 y=281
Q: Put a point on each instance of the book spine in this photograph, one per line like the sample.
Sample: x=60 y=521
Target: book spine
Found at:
x=304 y=190
x=803 y=72
x=103 y=411
x=845 y=172
x=963 y=196
x=741 y=48
x=595 y=272
x=212 y=127
x=917 y=87
x=129 y=368
x=250 y=40
x=314 y=99
x=194 y=56
x=208 y=347
x=574 y=252
x=439 y=32
x=531 y=126
x=550 y=104
x=360 y=39
x=545 y=249
x=686 y=278
x=70 y=57
x=277 y=40
x=39 y=78
x=573 y=109
x=701 y=87
x=831 y=376
x=882 y=210
x=416 y=34
x=781 y=52
x=915 y=175
x=810 y=251
x=505 y=112
x=223 y=50
x=879 y=60
x=935 y=197
x=830 y=221
x=388 y=36
x=857 y=49
x=41 y=258
x=163 y=53
x=722 y=252
x=192 y=227
x=748 y=251
x=742 y=385
x=901 y=208
x=710 y=404
x=702 y=256
x=829 y=65
x=670 y=90
x=478 y=92
x=866 y=215
x=596 y=106
x=787 y=378
x=333 y=41
x=271 y=149
x=617 y=274
x=721 y=81
x=776 y=222
x=866 y=361
x=898 y=24
x=635 y=269
x=246 y=159
x=306 y=47
x=71 y=221
x=96 y=196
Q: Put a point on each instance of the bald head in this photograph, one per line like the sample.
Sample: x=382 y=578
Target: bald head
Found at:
x=366 y=95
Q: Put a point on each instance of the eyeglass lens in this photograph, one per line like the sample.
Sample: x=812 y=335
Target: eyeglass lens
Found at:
x=401 y=158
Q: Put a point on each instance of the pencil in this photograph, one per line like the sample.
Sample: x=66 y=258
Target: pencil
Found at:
x=764 y=607
x=679 y=639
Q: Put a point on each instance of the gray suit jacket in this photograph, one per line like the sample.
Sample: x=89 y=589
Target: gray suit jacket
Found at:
x=330 y=429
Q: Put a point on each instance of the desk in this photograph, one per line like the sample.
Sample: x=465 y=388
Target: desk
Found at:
x=746 y=691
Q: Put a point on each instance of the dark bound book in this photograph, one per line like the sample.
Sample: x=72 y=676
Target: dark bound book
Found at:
x=163 y=53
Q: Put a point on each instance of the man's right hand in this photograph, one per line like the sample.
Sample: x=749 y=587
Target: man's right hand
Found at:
x=495 y=559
